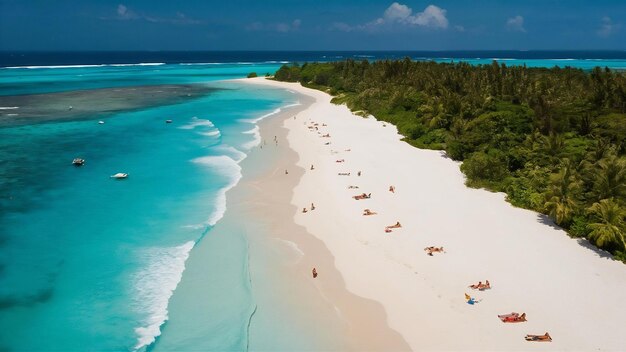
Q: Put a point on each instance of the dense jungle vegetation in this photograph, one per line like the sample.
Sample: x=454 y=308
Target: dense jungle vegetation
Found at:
x=554 y=140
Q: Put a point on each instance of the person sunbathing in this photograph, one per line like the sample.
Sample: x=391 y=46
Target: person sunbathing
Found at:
x=512 y=314
x=431 y=250
x=304 y=210
x=369 y=212
x=395 y=226
x=343 y=174
x=353 y=187
x=326 y=135
x=387 y=230
x=471 y=300
x=480 y=286
x=475 y=287
x=340 y=161
x=512 y=318
x=541 y=338
x=360 y=196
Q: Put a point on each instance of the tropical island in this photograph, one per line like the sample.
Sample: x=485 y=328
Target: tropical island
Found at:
x=552 y=139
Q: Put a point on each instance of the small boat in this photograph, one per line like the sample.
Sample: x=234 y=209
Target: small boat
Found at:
x=168 y=121
x=78 y=162
x=120 y=175
x=101 y=122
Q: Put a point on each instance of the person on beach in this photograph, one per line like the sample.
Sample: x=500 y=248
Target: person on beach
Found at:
x=312 y=206
x=358 y=173
x=470 y=300
x=392 y=189
x=362 y=196
x=541 y=338
x=314 y=271
x=474 y=287
x=395 y=226
x=312 y=168
x=480 y=286
x=513 y=318
x=369 y=212
x=304 y=210
x=286 y=173
x=431 y=250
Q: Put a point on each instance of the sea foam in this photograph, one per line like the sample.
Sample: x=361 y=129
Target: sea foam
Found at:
x=254 y=142
x=227 y=167
x=197 y=122
x=88 y=66
x=154 y=285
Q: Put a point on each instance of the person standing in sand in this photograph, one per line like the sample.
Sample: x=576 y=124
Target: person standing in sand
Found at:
x=314 y=272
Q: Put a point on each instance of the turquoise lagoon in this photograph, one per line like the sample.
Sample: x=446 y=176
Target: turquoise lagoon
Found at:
x=88 y=262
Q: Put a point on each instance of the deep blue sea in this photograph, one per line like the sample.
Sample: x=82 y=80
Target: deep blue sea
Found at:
x=88 y=262
x=533 y=58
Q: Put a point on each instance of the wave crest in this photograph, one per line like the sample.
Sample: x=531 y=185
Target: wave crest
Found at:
x=154 y=285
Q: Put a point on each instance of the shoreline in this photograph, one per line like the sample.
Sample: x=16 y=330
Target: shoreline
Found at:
x=359 y=324
x=288 y=309
x=565 y=287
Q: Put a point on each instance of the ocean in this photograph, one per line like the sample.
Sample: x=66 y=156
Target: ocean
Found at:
x=88 y=262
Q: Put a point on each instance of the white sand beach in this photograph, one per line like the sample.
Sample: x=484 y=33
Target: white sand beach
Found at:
x=565 y=287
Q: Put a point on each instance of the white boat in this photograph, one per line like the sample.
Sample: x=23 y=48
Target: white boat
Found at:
x=168 y=121
x=101 y=122
x=119 y=175
x=78 y=162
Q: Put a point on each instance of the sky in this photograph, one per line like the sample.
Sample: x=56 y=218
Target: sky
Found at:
x=63 y=25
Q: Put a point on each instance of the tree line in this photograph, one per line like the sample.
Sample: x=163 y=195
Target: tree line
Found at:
x=552 y=139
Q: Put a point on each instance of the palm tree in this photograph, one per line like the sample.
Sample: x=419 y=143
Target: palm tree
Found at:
x=607 y=229
x=560 y=199
x=611 y=179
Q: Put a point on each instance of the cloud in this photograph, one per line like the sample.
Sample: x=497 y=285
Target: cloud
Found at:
x=432 y=16
x=516 y=24
x=401 y=15
x=607 y=27
x=340 y=26
x=275 y=27
x=123 y=13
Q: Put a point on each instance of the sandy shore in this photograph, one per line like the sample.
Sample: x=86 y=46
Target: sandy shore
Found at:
x=563 y=285
x=290 y=311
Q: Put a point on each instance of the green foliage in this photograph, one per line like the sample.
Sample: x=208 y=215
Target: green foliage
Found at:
x=552 y=139
x=252 y=75
x=607 y=230
x=485 y=168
